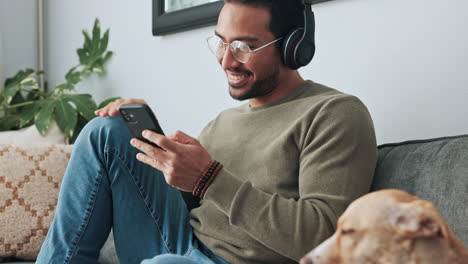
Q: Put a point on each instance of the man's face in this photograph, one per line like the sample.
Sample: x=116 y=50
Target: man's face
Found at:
x=259 y=76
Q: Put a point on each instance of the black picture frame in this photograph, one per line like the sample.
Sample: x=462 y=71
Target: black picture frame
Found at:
x=182 y=20
x=186 y=19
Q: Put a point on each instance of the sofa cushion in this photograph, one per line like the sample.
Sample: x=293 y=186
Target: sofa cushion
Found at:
x=30 y=177
x=434 y=170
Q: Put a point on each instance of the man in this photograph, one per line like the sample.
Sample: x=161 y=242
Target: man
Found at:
x=273 y=175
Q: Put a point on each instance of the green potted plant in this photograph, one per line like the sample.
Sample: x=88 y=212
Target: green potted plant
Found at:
x=24 y=103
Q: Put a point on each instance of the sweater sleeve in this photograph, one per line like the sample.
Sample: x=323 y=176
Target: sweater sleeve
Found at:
x=337 y=161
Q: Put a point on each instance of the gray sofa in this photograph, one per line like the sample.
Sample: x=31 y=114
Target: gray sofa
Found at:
x=434 y=169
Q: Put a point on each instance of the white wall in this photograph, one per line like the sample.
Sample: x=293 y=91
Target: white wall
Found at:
x=407 y=60
x=17 y=35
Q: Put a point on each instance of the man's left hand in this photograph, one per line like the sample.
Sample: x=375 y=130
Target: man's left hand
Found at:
x=182 y=158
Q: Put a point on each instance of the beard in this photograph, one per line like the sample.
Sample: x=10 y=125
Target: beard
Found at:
x=259 y=88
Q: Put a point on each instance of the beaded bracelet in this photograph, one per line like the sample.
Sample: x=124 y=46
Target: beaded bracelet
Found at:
x=206 y=178
x=201 y=181
x=211 y=179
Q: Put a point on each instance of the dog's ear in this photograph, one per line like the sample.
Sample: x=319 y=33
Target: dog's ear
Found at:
x=417 y=219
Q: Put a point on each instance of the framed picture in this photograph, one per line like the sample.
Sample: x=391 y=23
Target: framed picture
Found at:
x=171 y=16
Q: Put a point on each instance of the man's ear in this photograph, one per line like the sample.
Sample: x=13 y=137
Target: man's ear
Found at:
x=418 y=219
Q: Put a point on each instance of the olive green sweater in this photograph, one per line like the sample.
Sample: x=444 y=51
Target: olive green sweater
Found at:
x=290 y=170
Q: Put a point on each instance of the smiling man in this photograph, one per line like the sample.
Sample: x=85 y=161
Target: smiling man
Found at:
x=270 y=177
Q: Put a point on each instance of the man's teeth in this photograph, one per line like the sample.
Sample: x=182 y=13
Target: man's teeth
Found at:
x=237 y=77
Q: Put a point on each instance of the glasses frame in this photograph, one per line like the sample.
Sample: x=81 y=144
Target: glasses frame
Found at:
x=250 y=51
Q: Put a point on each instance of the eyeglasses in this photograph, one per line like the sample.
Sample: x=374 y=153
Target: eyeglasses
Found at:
x=239 y=49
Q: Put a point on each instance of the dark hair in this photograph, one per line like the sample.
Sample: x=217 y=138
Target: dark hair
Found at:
x=285 y=14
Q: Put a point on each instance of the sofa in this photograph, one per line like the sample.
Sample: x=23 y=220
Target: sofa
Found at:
x=433 y=169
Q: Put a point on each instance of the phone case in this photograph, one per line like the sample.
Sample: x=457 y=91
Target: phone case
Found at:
x=138 y=118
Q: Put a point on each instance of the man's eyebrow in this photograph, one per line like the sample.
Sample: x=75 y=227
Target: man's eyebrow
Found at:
x=240 y=38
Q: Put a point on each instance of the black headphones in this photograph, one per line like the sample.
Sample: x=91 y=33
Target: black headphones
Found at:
x=298 y=46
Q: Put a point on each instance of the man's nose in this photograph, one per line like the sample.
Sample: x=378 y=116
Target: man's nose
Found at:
x=228 y=61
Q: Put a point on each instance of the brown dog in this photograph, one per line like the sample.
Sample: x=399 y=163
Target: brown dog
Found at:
x=391 y=227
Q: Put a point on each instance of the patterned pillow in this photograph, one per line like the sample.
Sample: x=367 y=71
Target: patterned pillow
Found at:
x=30 y=177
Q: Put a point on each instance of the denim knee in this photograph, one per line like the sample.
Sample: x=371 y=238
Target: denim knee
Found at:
x=104 y=131
x=169 y=259
x=107 y=125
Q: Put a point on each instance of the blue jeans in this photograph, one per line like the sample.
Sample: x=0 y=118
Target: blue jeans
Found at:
x=106 y=187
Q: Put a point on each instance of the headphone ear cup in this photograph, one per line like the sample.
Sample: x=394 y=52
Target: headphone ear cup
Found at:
x=289 y=47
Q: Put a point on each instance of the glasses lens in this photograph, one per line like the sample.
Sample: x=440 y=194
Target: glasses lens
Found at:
x=241 y=51
x=216 y=46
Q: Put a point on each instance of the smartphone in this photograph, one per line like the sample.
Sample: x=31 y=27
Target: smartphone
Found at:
x=138 y=118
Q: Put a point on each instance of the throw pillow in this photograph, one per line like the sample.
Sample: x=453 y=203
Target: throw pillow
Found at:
x=30 y=177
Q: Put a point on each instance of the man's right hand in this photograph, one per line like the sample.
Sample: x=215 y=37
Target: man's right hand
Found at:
x=112 y=109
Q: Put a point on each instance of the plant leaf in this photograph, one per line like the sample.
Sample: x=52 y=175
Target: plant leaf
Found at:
x=33 y=95
x=27 y=114
x=84 y=104
x=65 y=87
x=79 y=126
x=87 y=43
x=96 y=34
x=73 y=77
x=13 y=84
x=9 y=122
x=107 y=101
x=66 y=117
x=30 y=82
x=81 y=55
x=84 y=56
x=104 y=43
x=17 y=99
x=43 y=117
x=19 y=76
x=107 y=56
x=98 y=69
x=10 y=92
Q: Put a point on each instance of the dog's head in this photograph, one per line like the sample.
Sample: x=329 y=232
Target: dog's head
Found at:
x=384 y=227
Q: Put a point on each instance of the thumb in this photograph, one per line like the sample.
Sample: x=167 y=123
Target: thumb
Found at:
x=183 y=138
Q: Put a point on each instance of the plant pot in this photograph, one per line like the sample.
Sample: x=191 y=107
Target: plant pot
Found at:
x=30 y=135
